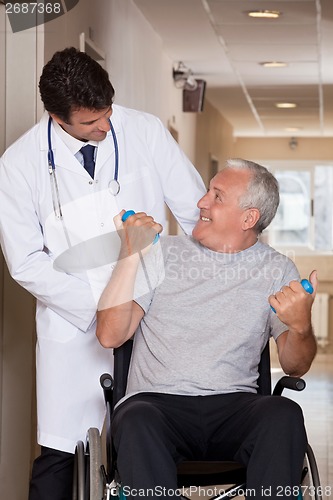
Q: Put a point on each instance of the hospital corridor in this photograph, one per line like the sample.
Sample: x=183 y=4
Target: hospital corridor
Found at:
x=192 y=100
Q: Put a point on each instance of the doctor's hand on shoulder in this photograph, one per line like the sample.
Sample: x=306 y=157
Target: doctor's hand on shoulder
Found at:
x=137 y=232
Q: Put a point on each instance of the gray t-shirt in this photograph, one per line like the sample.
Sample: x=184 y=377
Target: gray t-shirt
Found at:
x=208 y=318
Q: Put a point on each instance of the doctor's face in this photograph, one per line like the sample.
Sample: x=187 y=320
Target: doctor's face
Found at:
x=86 y=124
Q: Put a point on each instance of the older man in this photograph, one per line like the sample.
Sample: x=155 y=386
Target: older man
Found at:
x=192 y=384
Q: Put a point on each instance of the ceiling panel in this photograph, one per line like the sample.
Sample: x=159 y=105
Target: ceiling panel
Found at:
x=222 y=45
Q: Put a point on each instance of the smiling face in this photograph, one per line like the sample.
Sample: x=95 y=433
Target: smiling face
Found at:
x=224 y=226
x=86 y=124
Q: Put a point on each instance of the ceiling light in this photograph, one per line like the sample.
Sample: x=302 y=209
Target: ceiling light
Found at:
x=292 y=129
x=273 y=64
x=267 y=14
x=285 y=105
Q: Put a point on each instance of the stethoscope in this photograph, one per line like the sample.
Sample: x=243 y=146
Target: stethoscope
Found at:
x=114 y=186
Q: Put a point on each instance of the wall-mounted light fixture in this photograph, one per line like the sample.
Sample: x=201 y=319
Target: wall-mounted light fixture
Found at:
x=293 y=143
x=183 y=77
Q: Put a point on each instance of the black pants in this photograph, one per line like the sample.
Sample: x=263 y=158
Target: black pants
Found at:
x=52 y=476
x=153 y=432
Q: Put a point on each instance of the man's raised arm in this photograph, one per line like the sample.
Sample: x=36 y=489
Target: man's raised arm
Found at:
x=118 y=315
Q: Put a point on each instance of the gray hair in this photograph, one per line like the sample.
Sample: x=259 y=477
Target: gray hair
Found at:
x=262 y=192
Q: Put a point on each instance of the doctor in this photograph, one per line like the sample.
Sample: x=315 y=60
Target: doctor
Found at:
x=57 y=204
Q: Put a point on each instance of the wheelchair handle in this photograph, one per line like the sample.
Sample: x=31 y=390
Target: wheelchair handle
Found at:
x=106 y=382
x=128 y=214
x=293 y=383
x=307 y=287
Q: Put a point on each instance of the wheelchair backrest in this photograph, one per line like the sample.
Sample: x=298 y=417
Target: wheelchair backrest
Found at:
x=122 y=358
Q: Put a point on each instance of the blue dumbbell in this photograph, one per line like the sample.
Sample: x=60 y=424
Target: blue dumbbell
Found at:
x=307 y=287
x=128 y=214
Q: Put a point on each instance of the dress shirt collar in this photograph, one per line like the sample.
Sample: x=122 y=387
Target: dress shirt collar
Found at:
x=73 y=144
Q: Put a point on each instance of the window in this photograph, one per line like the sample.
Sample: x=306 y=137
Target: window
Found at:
x=291 y=226
x=304 y=220
x=323 y=207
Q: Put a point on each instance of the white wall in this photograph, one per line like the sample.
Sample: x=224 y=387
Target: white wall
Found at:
x=139 y=70
x=19 y=63
x=2 y=75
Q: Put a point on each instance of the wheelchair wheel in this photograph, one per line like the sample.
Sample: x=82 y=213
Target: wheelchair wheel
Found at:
x=310 y=486
x=94 y=457
x=79 y=473
x=88 y=481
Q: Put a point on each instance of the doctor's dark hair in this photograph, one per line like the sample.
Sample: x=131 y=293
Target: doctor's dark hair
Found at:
x=73 y=80
x=262 y=191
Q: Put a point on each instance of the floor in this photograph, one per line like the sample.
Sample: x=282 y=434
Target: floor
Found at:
x=317 y=404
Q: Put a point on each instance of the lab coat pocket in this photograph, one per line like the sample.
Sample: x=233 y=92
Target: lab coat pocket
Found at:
x=137 y=191
x=51 y=326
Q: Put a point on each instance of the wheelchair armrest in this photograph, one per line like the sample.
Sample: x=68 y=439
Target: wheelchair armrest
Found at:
x=293 y=383
x=106 y=381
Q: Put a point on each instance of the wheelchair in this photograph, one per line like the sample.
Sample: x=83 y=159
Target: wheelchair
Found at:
x=95 y=481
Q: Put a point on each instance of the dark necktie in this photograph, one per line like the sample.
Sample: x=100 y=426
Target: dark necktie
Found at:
x=88 y=153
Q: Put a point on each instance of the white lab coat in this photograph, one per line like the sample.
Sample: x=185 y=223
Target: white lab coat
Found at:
x=65 y=265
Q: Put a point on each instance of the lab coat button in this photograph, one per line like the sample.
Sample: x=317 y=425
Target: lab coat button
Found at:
x=91 y=182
